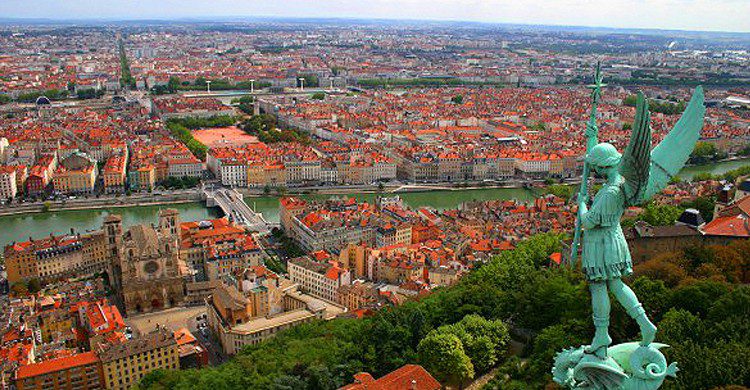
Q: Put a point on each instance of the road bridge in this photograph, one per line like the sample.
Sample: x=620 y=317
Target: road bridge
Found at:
x=231 y=203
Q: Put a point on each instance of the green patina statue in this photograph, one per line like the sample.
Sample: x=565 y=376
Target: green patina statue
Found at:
x=630 y=179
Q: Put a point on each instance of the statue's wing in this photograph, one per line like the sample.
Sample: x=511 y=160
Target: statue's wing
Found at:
x=637 y=157
x=599 y=375
x=668 y=158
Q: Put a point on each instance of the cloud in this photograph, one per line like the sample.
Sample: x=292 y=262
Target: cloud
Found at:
x=719 y=15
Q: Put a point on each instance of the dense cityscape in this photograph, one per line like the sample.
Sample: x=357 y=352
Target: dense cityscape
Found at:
x=348 y=282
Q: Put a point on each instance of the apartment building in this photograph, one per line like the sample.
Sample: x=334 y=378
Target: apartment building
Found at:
x=113 y=174
x=80 y=371
x=56 y=257
x=180 y=167
x=214 y=248
x=124 y=364
x=316 y=278
x=8 y=183
x=75 y=174
x=229 y=314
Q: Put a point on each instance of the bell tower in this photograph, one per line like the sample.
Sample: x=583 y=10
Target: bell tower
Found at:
x=113 y=235
x=169 y=225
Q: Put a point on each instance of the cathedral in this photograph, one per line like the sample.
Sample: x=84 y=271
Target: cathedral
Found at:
x=144 y=263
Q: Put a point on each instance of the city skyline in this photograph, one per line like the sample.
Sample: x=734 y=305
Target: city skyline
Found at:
x=690 y=15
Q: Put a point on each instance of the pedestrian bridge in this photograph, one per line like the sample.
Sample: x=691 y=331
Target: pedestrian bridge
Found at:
x=231 y=203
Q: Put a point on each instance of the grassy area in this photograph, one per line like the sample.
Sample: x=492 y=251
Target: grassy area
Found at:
x=180 y=129
x=126 y=78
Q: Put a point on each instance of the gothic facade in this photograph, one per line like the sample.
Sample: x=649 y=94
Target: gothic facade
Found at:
x=145 y=264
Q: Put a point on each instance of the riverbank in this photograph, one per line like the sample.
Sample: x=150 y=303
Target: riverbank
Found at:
x=400 y=188
x=87 y=214
x=38 y=225
x=121 y=201
x=367 y=192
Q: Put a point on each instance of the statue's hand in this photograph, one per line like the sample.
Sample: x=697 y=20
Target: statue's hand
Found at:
x=582 y=208
x=591 y=130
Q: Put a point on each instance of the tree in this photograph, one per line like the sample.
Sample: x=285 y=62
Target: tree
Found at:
x=653 y=294
x=705 y=367
x=730 y=263
x=706 y=327
x=311 y=80
x=665 y=268
x=703 y=152
x=660 y=215
x=90 y=93
x=443 y=355
x=699 y=296
x=743 y=246
x=552 y=340
x=319 y=378
x=173 y=84
x=289 y=382
x=318 y=96
x=734 y=304
x=20 y=288
x=704 y=204
x=483 y=341
x=679 y=326
x=549 y=297
x=34 y=285
x=458 y=99
x=560 y=190
x=259 y=123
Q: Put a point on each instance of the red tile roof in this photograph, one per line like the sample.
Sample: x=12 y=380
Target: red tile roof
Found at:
x=408 y=377
x=183 y=336
x=55 y=365
x=735 y=226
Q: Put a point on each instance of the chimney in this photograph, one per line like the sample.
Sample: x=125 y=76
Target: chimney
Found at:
x=413 y=384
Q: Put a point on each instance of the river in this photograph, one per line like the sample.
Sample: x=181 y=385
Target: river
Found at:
x=19 y=228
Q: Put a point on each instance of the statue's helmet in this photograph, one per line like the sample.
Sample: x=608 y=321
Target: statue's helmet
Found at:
x=603 y=155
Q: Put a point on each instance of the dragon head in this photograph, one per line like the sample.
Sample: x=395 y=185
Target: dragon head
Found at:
x=565 y=362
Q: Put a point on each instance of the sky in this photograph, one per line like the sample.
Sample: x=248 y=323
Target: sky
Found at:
x=700 y=15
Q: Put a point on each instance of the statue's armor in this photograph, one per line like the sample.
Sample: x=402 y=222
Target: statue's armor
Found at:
x=605 y=251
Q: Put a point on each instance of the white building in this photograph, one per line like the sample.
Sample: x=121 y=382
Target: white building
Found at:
x=318 y=279
x=191 y=167
x=230 y=171
x=3 y=148
x=8 y=187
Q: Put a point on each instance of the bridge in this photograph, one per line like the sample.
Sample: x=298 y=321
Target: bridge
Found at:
x=231 y=203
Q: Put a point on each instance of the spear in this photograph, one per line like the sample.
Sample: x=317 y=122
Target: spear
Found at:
x=591 y=141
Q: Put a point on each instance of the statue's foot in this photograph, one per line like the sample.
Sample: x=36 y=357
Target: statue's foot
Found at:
x=599 y=345
x=648 y=330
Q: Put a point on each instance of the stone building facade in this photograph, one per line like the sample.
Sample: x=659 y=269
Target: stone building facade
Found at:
x=145 y=263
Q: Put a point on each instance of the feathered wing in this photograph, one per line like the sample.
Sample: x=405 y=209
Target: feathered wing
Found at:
x=670 y=156
x=636 y=160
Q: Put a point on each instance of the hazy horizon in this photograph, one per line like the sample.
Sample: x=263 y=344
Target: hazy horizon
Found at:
x=688 y=15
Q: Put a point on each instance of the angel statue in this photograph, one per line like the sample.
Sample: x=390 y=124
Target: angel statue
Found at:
x=630 y=179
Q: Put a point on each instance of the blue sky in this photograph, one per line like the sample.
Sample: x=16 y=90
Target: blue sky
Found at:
x=709 y=15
